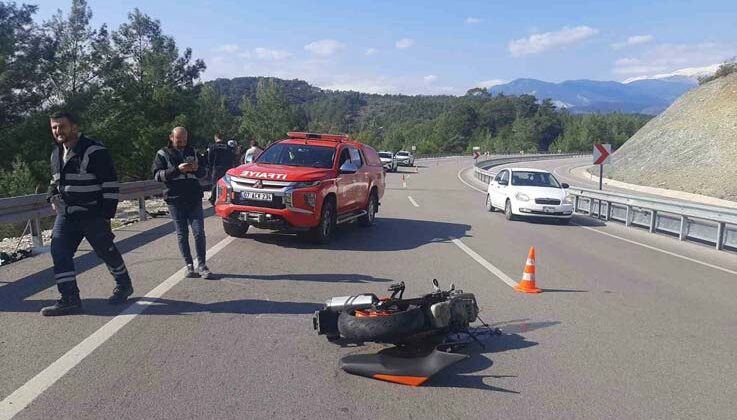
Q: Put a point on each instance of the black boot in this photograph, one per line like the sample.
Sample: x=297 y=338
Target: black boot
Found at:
x=120 y=294
x=67 y=305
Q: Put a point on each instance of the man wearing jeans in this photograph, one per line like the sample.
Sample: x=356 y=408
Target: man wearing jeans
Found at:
x=176 y=165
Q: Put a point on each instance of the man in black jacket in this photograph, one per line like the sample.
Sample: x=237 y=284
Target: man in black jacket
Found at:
x=84 y=193
x=220 y=158
x=177 y=166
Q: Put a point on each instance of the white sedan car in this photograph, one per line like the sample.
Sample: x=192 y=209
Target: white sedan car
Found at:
x=388 y=161
x=529 y=192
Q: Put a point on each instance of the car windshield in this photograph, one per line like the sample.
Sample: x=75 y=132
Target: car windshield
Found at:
x=402 y=154
x=534 y=179
x=385 y=155
x=298 y=155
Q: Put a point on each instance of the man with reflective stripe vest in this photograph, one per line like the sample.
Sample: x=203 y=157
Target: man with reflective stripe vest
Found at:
x=177 y=166
x=84 y=193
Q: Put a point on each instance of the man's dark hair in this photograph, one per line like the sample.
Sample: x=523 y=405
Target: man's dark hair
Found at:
x=63 y=114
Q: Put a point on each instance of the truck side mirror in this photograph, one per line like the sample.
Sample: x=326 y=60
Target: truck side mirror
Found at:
x=348 y=168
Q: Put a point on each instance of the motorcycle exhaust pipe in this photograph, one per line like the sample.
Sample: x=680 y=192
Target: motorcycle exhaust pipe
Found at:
x=348 y=303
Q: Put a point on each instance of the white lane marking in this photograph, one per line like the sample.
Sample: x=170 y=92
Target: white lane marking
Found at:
x=672 y=254
x=24 y=395
x=487 y=265
x=467 y=184
x=412 y=200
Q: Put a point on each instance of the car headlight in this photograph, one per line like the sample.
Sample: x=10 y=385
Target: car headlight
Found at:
x=522 y=197
x=297 y=185
x=568 y=199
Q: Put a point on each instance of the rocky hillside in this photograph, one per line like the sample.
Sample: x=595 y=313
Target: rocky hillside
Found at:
x=692 y=146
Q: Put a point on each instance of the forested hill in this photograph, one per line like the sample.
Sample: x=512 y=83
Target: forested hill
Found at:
x=434 y=124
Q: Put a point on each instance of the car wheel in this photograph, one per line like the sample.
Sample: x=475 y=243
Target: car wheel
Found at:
x=508 y=211
x=371 y=208
x=489 y=206
x=324 y=231
x=235 y=228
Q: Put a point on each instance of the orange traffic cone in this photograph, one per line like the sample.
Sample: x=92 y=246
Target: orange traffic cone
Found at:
x=527 y=285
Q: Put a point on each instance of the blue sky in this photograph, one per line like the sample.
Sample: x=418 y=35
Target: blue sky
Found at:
x=426 y=47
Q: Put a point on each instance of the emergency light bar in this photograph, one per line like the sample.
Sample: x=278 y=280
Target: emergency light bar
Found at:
x=317 y=136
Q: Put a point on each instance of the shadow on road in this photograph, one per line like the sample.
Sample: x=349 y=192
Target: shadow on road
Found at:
x=458 y=375
x=328 y=278
x=14 y=292
x=387 y=234
x=100 y=307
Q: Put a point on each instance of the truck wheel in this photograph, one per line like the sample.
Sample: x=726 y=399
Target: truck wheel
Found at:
x=371 y=208
x=385 y=328
x=324 y=231
x=236 y=228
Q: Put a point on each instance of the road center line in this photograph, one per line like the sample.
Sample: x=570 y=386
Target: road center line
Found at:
x=24 y=395
x=412 y=200
x=487 y=265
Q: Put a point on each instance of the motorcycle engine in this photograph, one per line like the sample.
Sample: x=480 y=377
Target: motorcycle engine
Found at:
x=456 y=313
x=463 y=310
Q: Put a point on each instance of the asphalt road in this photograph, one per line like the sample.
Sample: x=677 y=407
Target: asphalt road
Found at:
x=630 y=325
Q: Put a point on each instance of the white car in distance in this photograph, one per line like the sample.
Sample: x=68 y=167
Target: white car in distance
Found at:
x=388 y=161
x=405 y=158
x=530 y=193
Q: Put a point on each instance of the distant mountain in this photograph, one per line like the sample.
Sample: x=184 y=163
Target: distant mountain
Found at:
x=646 y=96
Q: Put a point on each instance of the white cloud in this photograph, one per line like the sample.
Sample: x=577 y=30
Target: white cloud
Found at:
x=227 y=48
x=268 y=54
x=430 y=78
x=404 y=43
x=372 y=51
x=634 y=40
x=537 y=43
x=687 y=72
x=472 y=20
x=668 y=59
x=489 y=83
x=325 y=47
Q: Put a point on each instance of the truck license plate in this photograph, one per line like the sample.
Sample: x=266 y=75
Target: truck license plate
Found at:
x=250 y=195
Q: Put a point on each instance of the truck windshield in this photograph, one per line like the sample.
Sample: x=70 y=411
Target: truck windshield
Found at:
x=298 y=155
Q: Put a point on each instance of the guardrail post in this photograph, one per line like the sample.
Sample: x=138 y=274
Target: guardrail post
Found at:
x=142 y=215
x=575 y=203
x=36 y=234
x=720 y=235
x=608 y=213
x=628 y=216
x=653 y=220
x=682 y=232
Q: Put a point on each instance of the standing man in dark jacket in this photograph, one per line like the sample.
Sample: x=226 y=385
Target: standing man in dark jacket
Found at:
x=220 y=158
x=84 y=193
x=177 y=166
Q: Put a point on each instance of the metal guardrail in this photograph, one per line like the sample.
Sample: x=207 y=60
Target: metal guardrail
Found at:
x=481 y=168
x=34 y=207
x=687 y=221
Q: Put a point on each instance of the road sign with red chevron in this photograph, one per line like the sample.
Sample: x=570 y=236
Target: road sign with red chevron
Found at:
x=602 y=152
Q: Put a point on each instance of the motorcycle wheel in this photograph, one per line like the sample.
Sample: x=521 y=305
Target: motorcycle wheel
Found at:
x=385 y=327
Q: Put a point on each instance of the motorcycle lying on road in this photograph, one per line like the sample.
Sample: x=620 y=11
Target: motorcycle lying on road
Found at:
x=426 y=331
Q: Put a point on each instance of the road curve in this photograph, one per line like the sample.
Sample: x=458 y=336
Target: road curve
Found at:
x=630 y=325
